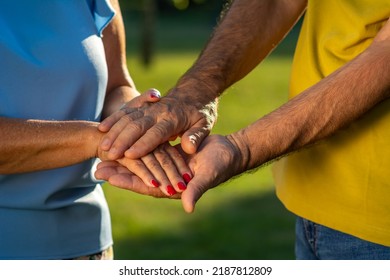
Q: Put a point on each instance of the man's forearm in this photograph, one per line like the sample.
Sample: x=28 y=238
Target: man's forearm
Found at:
x=248 y=33
x=31 y=145
x=321 y=110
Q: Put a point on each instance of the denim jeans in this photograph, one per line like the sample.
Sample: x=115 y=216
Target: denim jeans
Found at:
x=317 y=242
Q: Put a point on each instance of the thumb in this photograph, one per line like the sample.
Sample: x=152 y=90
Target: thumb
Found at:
x=192 y=138
x=195 y=189
x=150 y=96
x=153 y=94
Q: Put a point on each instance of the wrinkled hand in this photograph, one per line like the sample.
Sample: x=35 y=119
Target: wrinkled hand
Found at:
x=216 y=161
x=164 y=168
x=136 y=131
x=148 y=97
x=119 y=176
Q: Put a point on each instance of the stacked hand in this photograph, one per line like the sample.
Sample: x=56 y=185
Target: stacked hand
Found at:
x=163 y=171
x=216 y=160
x=141 y=126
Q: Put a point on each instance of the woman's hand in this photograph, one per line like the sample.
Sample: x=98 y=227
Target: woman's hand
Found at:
x=163 y=169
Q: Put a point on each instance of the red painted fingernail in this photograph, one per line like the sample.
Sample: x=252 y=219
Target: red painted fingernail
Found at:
x=171 y=190
x=155 y=183
x=186 y=177
x=181 y=186
x=154 y=93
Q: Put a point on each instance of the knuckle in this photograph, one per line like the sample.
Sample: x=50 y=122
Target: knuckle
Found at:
x=142 y=124
x=151 y=164
x=164 y=127
x=163 y=158
x=137 y=164
x=166 y=162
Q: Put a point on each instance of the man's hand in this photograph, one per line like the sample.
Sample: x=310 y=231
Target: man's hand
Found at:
x=135 y=131
x=150 y=96
x=218 y=159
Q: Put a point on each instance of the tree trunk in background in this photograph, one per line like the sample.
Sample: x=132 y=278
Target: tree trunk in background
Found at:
x=148 y=26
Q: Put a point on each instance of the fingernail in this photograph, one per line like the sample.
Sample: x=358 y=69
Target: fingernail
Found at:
x=186 y=177
x=155 y=183
x=154 y=93
x=171 y=190
x=181 y=186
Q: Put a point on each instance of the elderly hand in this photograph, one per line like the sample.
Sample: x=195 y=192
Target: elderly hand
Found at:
x=163 y=169
x=216 y=161
x=135 y=131
x=121 y=177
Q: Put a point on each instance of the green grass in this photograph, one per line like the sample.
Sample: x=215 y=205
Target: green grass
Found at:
x=242 y=219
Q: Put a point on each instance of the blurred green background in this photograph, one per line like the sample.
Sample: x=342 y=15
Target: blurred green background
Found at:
x=242 y=219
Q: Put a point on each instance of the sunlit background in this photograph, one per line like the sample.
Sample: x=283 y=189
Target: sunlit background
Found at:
x=241 y=219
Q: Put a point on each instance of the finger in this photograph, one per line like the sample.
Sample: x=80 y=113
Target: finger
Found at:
x=173 y=165
x=139 y=169
x=152 y=163
x=153 y=95
x=192 y=138
x=195 y=189
x=134 y=184
x=119 y=176
x=150 y=96
x=116 y=129
x=125 y=133
x=178 y=158
x=151 y=139
x=107 y=163
x=106 y=169
x=111 y=166
x=108 y=122
x=129 y=115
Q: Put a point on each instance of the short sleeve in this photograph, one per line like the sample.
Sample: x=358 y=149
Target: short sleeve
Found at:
x=103 y=13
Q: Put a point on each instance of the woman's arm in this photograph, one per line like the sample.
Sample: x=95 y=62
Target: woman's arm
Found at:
x=31 y=145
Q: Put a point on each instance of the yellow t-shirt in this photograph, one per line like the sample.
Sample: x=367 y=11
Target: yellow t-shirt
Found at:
x=342 y=182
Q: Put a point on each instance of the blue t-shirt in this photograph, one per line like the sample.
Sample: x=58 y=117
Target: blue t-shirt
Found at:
x=53 y=67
